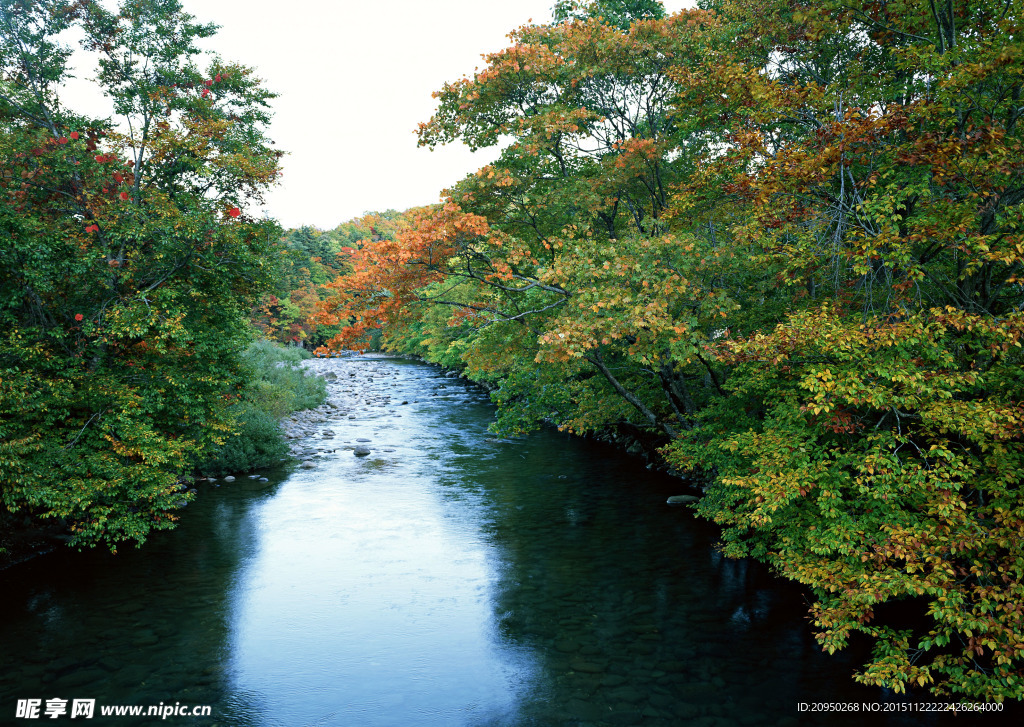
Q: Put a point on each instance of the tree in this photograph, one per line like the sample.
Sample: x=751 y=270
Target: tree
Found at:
x=620 y=13
x=567 y=221
x=871 y=445
x=130 y=266
x=784 y=242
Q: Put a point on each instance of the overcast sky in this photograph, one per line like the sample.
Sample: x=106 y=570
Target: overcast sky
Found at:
x=355 y=78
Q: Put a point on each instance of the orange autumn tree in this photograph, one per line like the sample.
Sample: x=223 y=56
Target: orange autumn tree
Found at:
x=388 y=274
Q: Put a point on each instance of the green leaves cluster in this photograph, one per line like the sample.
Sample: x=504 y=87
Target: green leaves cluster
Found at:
x=126 y=272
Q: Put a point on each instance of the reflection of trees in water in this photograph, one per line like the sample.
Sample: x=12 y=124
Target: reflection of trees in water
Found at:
x=625 y=601
x=139 y=628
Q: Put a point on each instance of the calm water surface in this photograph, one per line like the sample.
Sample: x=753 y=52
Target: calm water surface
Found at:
x=448 y=578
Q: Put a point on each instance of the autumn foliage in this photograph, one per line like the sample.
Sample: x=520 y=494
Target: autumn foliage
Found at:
x=785 y=241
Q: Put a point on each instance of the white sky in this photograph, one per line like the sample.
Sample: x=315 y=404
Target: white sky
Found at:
x=355 y=78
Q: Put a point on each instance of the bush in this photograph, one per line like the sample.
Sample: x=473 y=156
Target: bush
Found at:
x=276 y=387
x=256 y=444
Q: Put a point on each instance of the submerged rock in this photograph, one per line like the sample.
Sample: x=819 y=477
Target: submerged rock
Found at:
x=682 y=499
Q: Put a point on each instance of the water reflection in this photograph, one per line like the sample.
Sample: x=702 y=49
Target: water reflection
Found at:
x=445 y=579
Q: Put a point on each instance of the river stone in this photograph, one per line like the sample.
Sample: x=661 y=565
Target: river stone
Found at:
x=567 y=646
x=587 y=667
x=685 y=710
x=698 y=691
x=361 y=451
x=307 y=465
x=662 y=701
x=585 y=710
x=145 y=638
x=626 y=694
x=363 y=439
x=229 y=478
x=682 y=499
x=651 y=713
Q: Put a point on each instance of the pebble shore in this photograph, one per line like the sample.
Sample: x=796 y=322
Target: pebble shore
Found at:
x=357 y=387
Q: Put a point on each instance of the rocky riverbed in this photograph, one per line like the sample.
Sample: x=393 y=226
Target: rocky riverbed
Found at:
x=360 y=390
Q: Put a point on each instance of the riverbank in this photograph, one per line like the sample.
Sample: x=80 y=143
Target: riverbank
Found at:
x=446 y=577
x=357 y=388
x=21 y=541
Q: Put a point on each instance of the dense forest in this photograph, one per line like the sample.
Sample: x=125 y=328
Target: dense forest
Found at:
x=779 y=241
x=783 y=239
x=309 y=258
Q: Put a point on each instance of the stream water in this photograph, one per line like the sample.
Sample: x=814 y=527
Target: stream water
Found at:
x=447 y=578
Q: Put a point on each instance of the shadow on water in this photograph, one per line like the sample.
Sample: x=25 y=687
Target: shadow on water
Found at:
x=448 y=578
x=145 y=627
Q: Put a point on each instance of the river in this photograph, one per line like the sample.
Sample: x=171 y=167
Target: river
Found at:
x=446 y=578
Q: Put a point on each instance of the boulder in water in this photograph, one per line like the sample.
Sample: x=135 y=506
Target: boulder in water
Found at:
x=682 y=499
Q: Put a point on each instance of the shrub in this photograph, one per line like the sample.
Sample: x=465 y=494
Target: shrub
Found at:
x=276 y=386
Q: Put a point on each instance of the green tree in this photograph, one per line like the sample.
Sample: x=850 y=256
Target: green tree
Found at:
x=128 y=268
x=620 y=13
